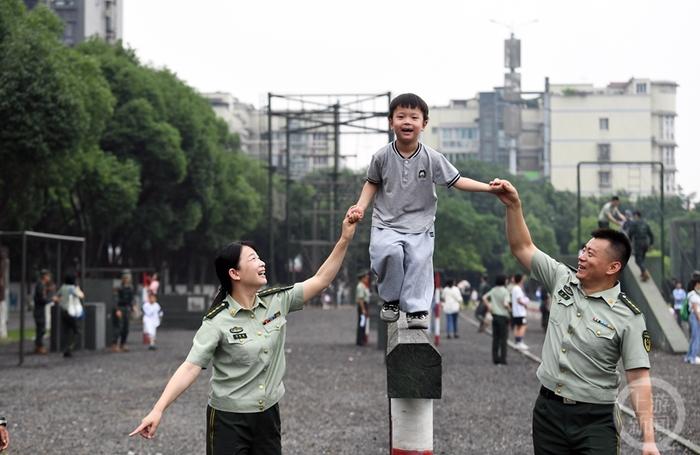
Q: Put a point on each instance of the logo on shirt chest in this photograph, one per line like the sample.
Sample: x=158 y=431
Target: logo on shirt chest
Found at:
x=422 y=174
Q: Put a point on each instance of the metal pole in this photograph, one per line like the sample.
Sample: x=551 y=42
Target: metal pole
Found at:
x=286 y=204
x=388 y=109
x=22 y=298
x=270 y=171
x=82 y=266
x=336 y=160
x=578 y=205
x=58 y=262
x=663 y=245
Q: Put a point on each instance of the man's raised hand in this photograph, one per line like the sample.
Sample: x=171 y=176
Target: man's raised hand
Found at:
x=505 y=191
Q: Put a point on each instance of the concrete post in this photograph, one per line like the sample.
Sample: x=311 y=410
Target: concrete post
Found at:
x=414 y=379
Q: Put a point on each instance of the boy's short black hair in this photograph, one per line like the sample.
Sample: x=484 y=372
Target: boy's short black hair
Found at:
x=500 y=280
x=619 y=244
x=409 y=100
x=615 y=198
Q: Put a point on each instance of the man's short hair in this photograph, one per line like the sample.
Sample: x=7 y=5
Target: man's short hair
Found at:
x=411 y=101
x=619 y=244
x=638 y=213
x=518 y=277
x=614 y=198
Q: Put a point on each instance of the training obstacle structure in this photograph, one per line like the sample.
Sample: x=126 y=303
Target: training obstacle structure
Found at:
x=414 y=380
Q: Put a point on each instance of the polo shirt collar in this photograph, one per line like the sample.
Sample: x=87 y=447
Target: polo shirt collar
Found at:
x=418 y=149
x=234 y=307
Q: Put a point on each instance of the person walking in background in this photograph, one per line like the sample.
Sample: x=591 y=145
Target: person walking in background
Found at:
x=679 y=296
x=496 y=301
x=69 y=297
x=4 y=287
x=362 y=295
x=451 y=303
x=465 y=287
x=154 y=286
x=641 y=238
x=610 y=213
x=519 y=302
x=693 y=355
x=121 y=314
x=152 y=315
x=481 y=308
x=42 y=296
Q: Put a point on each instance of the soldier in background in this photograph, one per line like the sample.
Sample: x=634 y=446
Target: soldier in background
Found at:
x=642 y=238
x=121 y=314
x=43 y=291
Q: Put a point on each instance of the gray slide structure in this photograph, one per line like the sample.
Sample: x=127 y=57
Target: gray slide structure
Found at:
x=661 y=323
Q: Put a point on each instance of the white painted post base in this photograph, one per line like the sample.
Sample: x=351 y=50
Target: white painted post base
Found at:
x=411 y=426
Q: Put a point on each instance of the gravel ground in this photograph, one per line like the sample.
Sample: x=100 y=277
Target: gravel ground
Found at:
x=335 y=402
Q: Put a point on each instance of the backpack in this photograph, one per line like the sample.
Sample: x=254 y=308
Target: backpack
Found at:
x=685 y=307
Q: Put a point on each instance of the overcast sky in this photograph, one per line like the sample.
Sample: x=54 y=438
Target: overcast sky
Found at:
x=439 y=49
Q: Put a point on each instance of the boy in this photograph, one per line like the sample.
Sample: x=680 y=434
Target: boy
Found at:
x=152 y=314
x=401 y=179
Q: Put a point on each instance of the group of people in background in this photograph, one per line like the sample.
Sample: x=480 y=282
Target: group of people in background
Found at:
x=150 y=310
x=70 y=297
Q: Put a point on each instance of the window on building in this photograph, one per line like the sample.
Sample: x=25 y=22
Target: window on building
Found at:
x=641 y=87
x=603 y=123
x=667 y=127
x=603 y=152
x=604 y=179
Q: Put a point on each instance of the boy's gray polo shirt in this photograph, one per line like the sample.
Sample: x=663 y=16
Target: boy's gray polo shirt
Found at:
x=587 y=336
x=406 y=201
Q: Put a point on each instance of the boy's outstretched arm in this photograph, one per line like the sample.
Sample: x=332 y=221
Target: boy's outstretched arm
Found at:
x=519 y=239
x=467 y=184
x=357 y=211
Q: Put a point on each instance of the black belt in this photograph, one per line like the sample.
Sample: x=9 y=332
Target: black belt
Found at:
x=548 y=394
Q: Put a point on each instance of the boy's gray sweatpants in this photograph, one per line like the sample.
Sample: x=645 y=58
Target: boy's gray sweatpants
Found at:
x=403 y=264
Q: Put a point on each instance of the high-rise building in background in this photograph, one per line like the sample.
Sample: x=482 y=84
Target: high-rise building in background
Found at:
x=309 y=149
x=453 y=129
x=625 y=121
x=83 y=19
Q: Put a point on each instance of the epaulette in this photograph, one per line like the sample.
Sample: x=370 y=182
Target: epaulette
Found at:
x=270 y=291
x=216 y=310
x=624 y=299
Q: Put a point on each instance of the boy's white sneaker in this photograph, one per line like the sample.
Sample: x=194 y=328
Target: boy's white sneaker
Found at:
x=521 y=345
x=390 y=311
x=417 y=320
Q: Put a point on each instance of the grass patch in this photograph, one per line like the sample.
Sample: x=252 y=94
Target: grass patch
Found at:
x=13 y=336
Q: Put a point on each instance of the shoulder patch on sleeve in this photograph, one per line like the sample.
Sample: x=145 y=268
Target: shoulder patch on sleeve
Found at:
x=646 y=341
x=628 y=303
x=216 y=310
x=267 y=292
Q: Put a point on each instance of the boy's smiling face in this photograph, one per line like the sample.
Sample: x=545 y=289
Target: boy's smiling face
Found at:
x=407 y=123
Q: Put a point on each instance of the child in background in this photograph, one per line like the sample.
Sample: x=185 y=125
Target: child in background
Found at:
x=152 y=315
